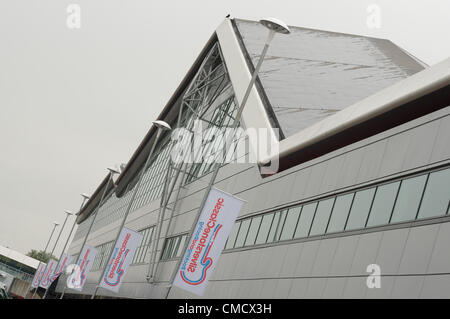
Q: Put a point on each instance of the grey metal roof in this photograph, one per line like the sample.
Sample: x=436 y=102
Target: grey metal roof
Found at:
x=311 y=74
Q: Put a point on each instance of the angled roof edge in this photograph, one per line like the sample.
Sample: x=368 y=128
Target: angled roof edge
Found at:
x=254 y=114
x=19 y=257
x=321 y=30
x=429 y=80
x=94 y=200
x=138 y=158
x=258 y=84
x=411 y=55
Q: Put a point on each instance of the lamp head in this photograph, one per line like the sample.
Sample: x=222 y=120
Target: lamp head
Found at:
x=162 y=125
x=56 y=223
x=68 y=212
x=113 y=170
x=85 y=196
x=275 y=25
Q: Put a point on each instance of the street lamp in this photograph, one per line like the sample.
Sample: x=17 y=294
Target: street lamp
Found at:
x=68 y=213
x=54 y=246
x=55 y=224
x=161 y=126
x=85 y=198
x=112 y=171
x=274 y=26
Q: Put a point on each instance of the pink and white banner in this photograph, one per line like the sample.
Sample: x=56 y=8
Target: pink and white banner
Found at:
x=38 y=275
x=84 y=264
x=121 y=258
x=46 y=278
x=62 y=265
x=207 y=241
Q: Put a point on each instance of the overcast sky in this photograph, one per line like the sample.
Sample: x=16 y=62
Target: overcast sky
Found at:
x=74 y=101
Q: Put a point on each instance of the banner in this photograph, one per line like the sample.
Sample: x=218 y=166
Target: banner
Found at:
x=38 y=275
x=121 y=258
x=207 y=241
x=78 y=278
x=46 y=278
x=62 y=265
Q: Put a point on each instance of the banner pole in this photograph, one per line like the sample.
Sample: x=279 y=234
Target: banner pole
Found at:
x=85 y=197
x=51 y=254
x=67 y=241
x=111 y=172
x=227 y=144
x=45 y=251
x=62 y=252
x=158 y=134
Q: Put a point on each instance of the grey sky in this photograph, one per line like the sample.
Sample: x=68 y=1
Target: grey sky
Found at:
x=73 y=102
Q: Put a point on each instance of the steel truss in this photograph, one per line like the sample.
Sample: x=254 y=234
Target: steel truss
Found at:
x=199 y=102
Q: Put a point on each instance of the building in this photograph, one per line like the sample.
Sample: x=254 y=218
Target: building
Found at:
x=363 y=178
x=16 y=271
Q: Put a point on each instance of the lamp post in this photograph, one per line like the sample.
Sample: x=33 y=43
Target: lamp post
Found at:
x=55 y=224
x=274 y=26
x=161 y=126
x=54 y=247
x=85 y=198
x=111 y=173
x=68 y=213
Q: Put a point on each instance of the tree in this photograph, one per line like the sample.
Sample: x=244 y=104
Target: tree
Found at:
x=40 y=255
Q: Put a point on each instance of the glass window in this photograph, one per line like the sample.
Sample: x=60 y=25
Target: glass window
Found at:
x=253 y=231
x=245 y=224
x=280 y=225
x=181 y=246
x=437 y=195
x=340 y=213
x=388 y=203
x=304 y=223
x=383 y=204
x=264 y=229
x=232 y=236
x=274 y=228
x=408 y=199
x=141 y=251
x=321 y=217
x=360 y=209
x=166 y=249
x=174 y=246
x=147 y=243
x=290 y=223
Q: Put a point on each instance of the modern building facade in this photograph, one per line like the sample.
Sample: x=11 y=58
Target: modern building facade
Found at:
x=363 y=135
